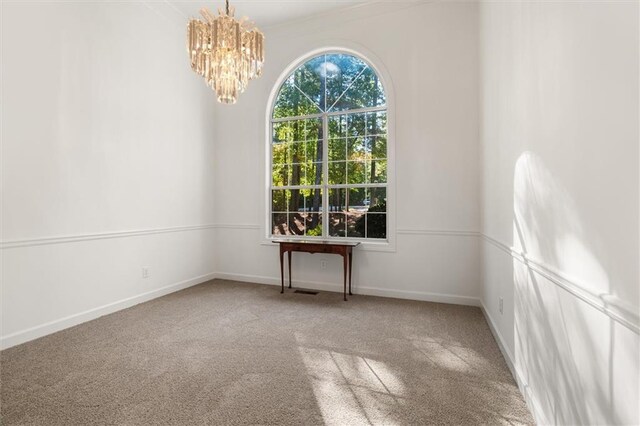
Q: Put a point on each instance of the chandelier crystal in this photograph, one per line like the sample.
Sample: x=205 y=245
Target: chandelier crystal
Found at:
x=226 y=52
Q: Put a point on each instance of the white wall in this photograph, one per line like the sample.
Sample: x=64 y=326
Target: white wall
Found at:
x=107 y=156
x=429 y=54
x=559 y=132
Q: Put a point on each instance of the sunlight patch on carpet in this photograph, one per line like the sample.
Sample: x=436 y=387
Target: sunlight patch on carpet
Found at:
x=351 y=389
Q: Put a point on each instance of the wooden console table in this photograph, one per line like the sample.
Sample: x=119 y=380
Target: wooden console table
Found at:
x=343 y=248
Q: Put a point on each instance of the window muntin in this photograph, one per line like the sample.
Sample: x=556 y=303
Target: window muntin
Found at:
x=329 y=151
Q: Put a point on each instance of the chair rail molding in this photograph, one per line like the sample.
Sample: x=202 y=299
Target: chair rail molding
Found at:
x=612 y=306
x=99 y=236
x=438 y=232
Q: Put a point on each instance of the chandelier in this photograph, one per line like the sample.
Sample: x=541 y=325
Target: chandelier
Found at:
x=226 y=52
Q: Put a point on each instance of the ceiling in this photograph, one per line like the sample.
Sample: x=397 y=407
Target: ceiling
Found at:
x=266 y=13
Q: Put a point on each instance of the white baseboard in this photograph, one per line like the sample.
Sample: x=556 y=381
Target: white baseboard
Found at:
x=506 y=353
x=370 y=291
x=32 y=333
x=538 y=414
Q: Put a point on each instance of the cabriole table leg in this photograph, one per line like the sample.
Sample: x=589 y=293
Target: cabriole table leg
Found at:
x=282 y=269
x=344 y=267
x=350 y=263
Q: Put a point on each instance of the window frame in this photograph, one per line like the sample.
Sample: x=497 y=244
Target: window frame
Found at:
x=376 y=244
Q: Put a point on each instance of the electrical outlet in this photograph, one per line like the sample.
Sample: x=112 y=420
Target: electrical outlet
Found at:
x=323 y=264
x=145 y=272
x=501 y=305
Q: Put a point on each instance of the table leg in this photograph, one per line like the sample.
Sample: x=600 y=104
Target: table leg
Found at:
x=350 y=264
x=289 y=252
x=344 y=267
x=282 y=270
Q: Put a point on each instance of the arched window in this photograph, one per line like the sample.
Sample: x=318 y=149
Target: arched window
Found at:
x=328 y=152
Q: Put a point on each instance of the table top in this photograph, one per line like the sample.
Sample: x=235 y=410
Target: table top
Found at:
x=325 y=242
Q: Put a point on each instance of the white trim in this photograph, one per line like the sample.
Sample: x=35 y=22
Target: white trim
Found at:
x=297 y=117
x=98 y=236
x=91 y=314
x=329 y=186
x=330 y=113
x=610 y=305
x=505 y=248
x=439 y=232
x=236 y=226
x=506 y=352
x=365 y=245
x=370 y=291
x=537 y=412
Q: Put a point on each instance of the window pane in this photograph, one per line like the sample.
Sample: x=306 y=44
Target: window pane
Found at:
x=377 y=199
x=303 y=174
x=366 y=91
x=337 y=225
x=311 y=200
x=296 y=152
x=356 y=172
x=313 y=224
x=355 y=224
x=313 y=151
x=282 y=132
x=342 y=70
x=337 y=149
x=313 y=174
x=356 y=125
x=297 y=130
x=355 y=148
x=377 y=123
x=337 y=199
x=337 y=173
x=378 y=171
x=337 y=126
x=312 y=129
x=367 y=144
x=291 y=102
x=279 y=224
x=296 y=174
x=280 y=200
x=357 y=200
x=296 y=201
x=376 y=225
x=296 y=224
x=280 y=153
x=378 y=147
x=308 y=77
x=281 y=174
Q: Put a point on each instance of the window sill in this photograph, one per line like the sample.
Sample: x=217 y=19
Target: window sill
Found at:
x=385 y=246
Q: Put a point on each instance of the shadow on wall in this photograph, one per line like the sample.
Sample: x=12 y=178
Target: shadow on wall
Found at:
x=565 y=349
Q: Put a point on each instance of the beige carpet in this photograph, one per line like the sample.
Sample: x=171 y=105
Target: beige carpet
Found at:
x=235 y=353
